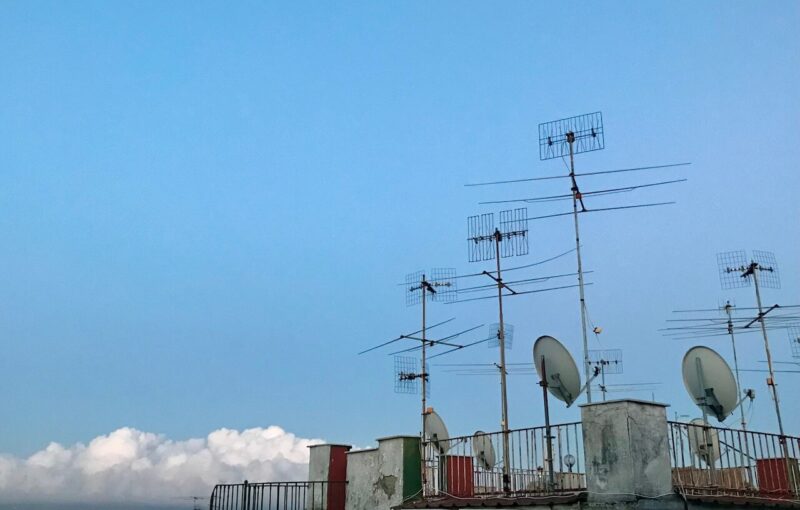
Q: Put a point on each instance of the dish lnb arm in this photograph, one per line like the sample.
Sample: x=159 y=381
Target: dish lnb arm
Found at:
x=592 y=378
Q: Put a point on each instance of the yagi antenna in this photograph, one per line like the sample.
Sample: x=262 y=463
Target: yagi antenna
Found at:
x=608 y=362
x=761 y=269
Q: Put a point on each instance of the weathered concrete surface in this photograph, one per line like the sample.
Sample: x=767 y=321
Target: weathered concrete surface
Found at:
x=384 y=477
x=627 y=450
x=326 y=463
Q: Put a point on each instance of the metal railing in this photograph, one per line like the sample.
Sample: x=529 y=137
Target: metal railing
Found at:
x=716 y=461
x=473 y=467
x=279 y=496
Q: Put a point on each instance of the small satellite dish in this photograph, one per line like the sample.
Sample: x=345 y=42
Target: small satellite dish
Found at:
x=436 y=431
x=563 y=379
x=710 y=382
x=704 y=442
x=483 y=450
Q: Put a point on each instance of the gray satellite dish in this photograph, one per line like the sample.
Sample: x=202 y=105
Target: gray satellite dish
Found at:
x=710 y=382
x=563 y=379
x=704 y=442
x=436 y=431
x=483 y=450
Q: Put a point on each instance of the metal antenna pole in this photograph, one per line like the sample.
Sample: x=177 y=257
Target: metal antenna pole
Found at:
x=603 y=378
x=502 y=341
x=424 y=379
x=753 y=269
x=728 y=308
x=544 y=384
x=575 y=196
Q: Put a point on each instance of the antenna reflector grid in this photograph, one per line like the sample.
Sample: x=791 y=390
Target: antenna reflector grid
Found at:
x=732 y=266
x=407 y=375
x=413 y=288
x=587 y=130
x=514 y=229
x=480 y=245
x=768 y=275
x=495 y=340
x=794 y=339
x=609 y=360
x=444 y=282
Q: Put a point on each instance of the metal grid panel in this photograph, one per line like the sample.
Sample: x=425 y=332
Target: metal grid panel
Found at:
x=495 y=341
x=731 y=265
x=588 y=131
x=444 y=281
x=768 y=275
x=514 y=227
x=406 y=375
x=610 y=360
x=479 y=241
x=794 y=339
x=413 y=288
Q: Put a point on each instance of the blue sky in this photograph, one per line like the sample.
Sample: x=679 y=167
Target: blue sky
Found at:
x=206 y=207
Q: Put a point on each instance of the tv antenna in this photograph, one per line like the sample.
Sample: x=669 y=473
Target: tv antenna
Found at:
x=568 y=137
x=410 y=377
x=608 y=361
x=762 y=270
x=734 y=321
x=487 y=241
x=558 y=376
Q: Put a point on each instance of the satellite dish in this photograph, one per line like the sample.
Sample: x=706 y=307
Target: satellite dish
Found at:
x=704 y=442
x=436 y=431
x=710 y=382
x=563 y=379
x=483 y=450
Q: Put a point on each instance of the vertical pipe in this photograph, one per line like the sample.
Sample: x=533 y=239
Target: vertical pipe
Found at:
x=571 y=140
x=502 y=341
x=424 y=383
x=551 y=475
x=728 y=308
x=743 y=455
x=755 y=268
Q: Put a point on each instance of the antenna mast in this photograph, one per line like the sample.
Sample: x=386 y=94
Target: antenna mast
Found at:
x=735 y=271
x=583 y=133
x=441 y=287
x=513 y=238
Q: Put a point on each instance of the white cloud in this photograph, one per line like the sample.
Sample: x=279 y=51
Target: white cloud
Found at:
x=131 y=465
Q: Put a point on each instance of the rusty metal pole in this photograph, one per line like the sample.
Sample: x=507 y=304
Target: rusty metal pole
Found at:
x=502 y=341
x=575 y=198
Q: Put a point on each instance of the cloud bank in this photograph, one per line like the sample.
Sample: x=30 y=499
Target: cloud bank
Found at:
x=131 y=465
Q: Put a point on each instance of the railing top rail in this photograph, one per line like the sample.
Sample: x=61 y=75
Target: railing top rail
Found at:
x=731 y=429
x=524 y=429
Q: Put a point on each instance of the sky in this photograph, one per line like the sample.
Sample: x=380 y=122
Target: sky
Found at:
x=207 y=208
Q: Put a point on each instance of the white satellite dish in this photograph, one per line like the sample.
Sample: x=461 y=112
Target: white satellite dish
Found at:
x=436 y=431
x=710 y=382
x=483 y=450
x=563 y=379
x=704 y=442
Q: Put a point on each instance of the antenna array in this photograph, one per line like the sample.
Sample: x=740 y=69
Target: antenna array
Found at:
x=762 y=270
